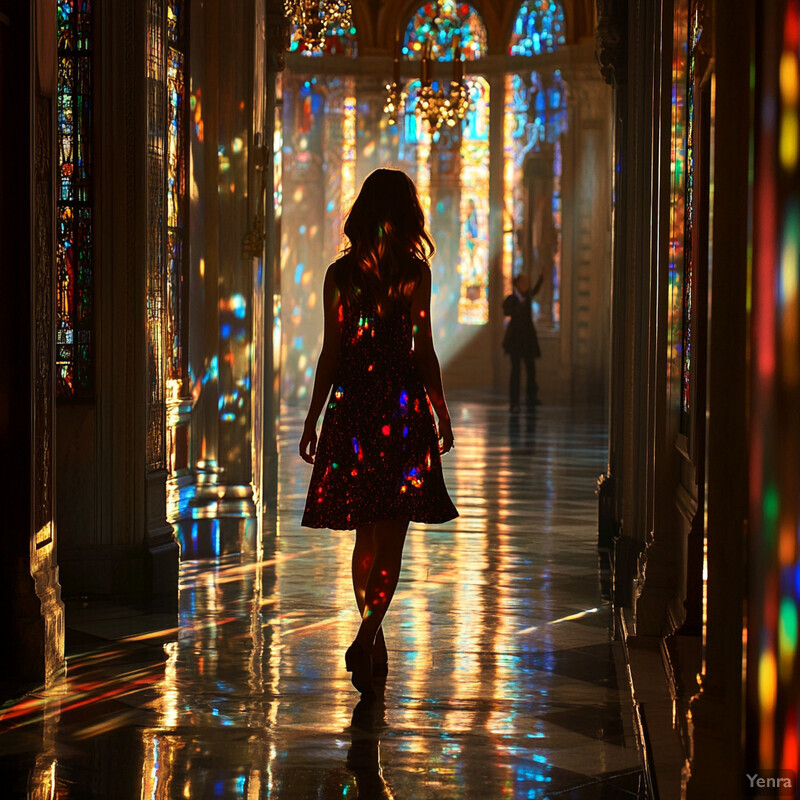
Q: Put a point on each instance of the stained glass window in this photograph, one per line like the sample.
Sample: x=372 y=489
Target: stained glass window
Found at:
x=538 y=28
x=438 y=23
x=338 y=42
x=74 y=268
x=176 y=188
x=155 y=281
x=473 y=251
x=688 y=265
x=535 y=123
x=678 y=207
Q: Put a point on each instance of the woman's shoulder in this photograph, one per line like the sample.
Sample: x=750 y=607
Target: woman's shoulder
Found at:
x=342 y=263
x=339 y=270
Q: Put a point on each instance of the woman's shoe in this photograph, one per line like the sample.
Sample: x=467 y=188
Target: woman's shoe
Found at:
x=359 y=663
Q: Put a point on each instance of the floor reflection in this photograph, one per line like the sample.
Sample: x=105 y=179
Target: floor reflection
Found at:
x=363 y=758
x=502 y=679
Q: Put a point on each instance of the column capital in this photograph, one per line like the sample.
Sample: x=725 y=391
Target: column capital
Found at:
x=610 y=40
x=277 y=32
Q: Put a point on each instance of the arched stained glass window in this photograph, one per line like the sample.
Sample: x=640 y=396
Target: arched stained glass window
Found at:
x=176 y=188
x=338 y=42
x=74 y=273
x=538 y=28
x=535 y=123
x=473 y=248
x=439 y=23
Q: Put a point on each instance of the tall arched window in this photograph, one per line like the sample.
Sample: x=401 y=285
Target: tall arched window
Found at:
x=439 y=24
x=473 y=255
x=535 y=125
x=455 y=162
x=176 y=193
x=74 y=235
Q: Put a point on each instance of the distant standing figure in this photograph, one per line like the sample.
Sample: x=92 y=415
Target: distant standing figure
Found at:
x=377 y=465
x=520 y=340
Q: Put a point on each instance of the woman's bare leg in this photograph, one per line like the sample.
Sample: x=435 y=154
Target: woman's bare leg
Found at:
x=389 y=538
x=363 y=557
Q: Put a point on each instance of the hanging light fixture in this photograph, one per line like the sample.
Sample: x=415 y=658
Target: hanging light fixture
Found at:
x=439 y=107
x=436 y=107
x=395 y=96
x=316 y=18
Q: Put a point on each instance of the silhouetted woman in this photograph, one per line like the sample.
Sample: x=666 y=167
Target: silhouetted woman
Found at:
x=377 y=464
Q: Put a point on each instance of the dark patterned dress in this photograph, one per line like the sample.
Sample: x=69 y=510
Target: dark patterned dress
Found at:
x=378 y=453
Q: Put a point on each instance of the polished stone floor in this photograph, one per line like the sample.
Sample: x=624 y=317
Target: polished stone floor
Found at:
x=503 y=678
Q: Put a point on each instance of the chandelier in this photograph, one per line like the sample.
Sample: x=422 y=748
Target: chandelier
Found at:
x=315 y=18
x=436 y=106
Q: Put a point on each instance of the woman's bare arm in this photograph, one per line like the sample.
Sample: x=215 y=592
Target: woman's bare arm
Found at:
x=426 y=358
x=326 y=367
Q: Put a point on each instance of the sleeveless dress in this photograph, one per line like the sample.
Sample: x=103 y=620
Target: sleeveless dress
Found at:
x=378 y=453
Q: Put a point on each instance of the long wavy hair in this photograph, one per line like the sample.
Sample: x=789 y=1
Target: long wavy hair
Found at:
x=388 y=241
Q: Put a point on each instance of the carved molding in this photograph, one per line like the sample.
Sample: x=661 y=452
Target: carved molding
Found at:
x=610 y=40
x=277 y=31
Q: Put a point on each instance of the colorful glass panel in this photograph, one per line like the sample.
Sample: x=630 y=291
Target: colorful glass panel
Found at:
x=74 y=235
x=473 y=251
x=176 y=190
x=678 y=158
x=535 y=118
x=155 y=278
x=438 y=23
x=688 y=265
x=538 y=28
x=338 y=42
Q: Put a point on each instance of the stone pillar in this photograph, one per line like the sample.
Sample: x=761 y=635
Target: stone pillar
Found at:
x=32 y=626
x=162 y=552
x=716 y=711
x=445 y=161
x=497 y=93
x=276 y=40
x=611 y=54
x=221 y=268
x=586 y=246
x=538 y=233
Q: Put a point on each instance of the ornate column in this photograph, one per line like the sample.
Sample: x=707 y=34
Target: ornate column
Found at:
x=497 y=99
x=33 y=624
x=162 y=550
x=716 y=710
x=611 y=54
x=445 y=161
x=222 y=272
x=270 y=63
x=539 y=234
